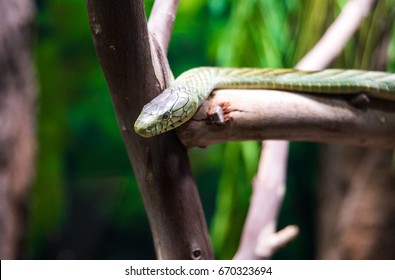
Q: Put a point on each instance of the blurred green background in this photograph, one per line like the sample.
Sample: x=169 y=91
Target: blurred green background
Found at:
x=85 y=202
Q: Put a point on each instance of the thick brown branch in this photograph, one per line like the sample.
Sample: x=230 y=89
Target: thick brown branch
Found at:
x=161 y=163
x=259 y=114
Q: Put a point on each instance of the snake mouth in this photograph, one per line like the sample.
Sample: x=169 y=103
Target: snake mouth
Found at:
x=150 y=129
x=143 y=128
x=148 y=125
x=142 y=131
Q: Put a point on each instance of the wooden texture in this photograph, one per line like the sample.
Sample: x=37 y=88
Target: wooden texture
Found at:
x=261 y=114
x=161 y=164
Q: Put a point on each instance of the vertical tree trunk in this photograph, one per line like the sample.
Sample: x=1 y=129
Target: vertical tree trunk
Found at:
x=161 y=163
x=17 y=141
x=357 y=204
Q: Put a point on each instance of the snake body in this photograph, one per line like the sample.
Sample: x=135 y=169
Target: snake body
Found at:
x=178 y=103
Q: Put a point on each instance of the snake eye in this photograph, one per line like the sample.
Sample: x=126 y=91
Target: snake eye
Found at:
x=166 y=115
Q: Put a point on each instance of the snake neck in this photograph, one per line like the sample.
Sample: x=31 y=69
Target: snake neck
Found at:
x=200 y=82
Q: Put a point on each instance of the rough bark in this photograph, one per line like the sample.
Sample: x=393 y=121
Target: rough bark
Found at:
x=160 y=164
x=17 y=140
x=261 y=114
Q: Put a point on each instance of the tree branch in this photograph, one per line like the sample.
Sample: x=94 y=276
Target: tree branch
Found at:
x=160 y=25
x=270 y=241
x=161 y=163
x=268 y=192
x=341 y=30
x=257 y=115
x=161 y=21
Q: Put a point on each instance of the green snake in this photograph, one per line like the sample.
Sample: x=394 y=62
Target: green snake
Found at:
x=178 y=103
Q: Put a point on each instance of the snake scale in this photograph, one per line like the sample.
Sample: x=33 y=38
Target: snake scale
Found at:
x=178 y=103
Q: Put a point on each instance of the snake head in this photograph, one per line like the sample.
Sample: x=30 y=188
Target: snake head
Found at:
x=167 y=111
